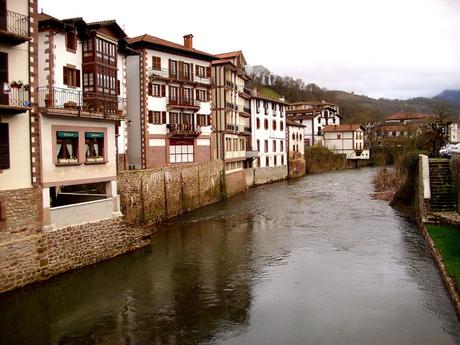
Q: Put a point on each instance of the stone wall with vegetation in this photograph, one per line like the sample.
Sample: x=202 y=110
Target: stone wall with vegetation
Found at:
x=320 y=159
x=153 y=195
x=270 y=174
x=455 y=165
x=39 y=256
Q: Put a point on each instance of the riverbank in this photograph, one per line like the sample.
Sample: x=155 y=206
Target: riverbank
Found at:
x=444 y=243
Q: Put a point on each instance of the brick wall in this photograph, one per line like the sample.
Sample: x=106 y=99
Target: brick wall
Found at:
x=152 y=195
x=39 y=256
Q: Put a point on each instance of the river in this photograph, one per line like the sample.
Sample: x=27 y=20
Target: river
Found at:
x=310 y=261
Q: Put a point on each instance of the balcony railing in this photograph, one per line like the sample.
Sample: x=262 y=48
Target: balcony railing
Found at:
x=183 y=102
x=244 y=129
x=183 y=129
x=231 y=127
x=243 y=109
x=16 y=23
x=91 y=102
x=15 y=97
x=165 y=73
x=229 y=84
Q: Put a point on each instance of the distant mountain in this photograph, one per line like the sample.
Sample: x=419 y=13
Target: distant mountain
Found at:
x=450 y=96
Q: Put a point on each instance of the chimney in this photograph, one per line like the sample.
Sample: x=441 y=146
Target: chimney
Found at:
x=188 y=41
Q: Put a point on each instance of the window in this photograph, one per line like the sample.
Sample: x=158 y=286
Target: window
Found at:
x=258 y=145
x=258 y=123
x=187 y=95
x=266 y=124
x=203 y=120
x=274 y=125
x=88 y=82
x=156 y=62
x=173 y=118
x=281 y=145
x=67 y=147
x=173 y=92
x=4 y=147
x=274 y=145
x=257 y=105
x=94 y=142
x=319 y=120
x=200 y=71
x=201 y=95
x=106 y=52
x=293 y=136
x=173 y=68
x=156 y=90
x=300 y=136
x=228 y=144
x=266 y=145
x=393 y=133
x=267 y=162
x=281 y=126
x=71 y=41
x=180 y=151
x=338 y=136
x=319 y=131
x=282 y=160
x=274 y=161
x=333 y=119
x=186 y=71
x=71 y=77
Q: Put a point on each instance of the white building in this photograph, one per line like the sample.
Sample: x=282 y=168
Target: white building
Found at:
x=19 y=128
x=315 y=115
x=346 y=139
x=82 y=70
x=268 y=130
x=170 y=103
x=296 y=143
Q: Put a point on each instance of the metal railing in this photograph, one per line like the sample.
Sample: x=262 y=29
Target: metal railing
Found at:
x=184 y=102
x=17 y=23
x=183 y=129
x=231 y=127
x=231 y=106
x=15 y=97
x=229 y=84
x=93 y=102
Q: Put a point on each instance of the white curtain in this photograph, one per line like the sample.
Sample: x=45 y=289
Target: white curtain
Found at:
x=69 y=150
x=59 y=153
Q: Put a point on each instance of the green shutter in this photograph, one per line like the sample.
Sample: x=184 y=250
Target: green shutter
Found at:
x=62 y=134
x=89 y=135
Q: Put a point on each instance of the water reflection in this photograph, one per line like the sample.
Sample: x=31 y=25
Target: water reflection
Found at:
x=310 y=261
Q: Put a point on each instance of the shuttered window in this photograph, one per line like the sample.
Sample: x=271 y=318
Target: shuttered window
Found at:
x=4 y=147
x=156 y=62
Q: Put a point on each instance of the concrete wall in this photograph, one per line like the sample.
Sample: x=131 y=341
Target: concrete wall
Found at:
x=235 y=182
x=39 y=256
x=152 y=195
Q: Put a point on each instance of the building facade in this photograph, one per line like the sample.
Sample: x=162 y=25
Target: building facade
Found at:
x=19 y=128
x=268 y=131
x=82 y=90
x=347 y=140
x=315 y=115
x=296 y=143
x=170 y=103
x=231 y=114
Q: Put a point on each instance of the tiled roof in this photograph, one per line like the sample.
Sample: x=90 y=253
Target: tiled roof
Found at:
x=389 y=128
x=229 y=55
x=342 y=128
x=404 y=115
x=161 y=42
x=293 y=123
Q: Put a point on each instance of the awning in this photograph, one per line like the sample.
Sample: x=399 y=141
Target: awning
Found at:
x=90 y=135
x=62 y=134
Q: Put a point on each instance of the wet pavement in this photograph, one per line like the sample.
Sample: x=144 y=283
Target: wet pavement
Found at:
x=310 y=261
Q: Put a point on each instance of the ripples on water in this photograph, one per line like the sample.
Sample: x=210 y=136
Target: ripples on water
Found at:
x=311 y=261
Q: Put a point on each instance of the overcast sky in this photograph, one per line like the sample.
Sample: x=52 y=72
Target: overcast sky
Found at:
x=380 y=48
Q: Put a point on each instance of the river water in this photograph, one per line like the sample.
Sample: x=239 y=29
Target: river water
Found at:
x=311 y=261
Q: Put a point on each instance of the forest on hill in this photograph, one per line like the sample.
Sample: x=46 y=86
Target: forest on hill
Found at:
x=354 y=108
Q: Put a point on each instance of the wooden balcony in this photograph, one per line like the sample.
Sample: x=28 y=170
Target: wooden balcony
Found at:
x=167 y=75
x=75 y=103
x=183 y=130
x=14 y=101
x=183 y=103
x=14 y=28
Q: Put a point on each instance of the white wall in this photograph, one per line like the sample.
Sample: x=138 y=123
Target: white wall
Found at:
x=134 y=108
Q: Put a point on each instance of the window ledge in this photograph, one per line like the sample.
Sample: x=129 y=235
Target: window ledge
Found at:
x=67 y=164
x=92 y=163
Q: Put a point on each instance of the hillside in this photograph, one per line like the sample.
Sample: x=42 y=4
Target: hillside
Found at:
x=450 y=96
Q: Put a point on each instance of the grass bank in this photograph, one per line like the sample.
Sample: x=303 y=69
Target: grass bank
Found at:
x=447 y=241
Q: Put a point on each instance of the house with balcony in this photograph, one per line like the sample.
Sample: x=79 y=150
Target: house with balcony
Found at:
x=170 y=103
x=81 y=100
x=347 y=140
x=19 y=134
x=231 y=115
x=269 y=132
x=314 y=115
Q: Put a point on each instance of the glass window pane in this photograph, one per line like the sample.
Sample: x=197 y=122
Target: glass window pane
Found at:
x=178 y=158
x=172 y=149
x=172 y=158
x=190 y=157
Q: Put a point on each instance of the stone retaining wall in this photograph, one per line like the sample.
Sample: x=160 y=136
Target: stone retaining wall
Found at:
x=152 y=195
x=271 y=174
x=39 y=256
x=297 y=167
